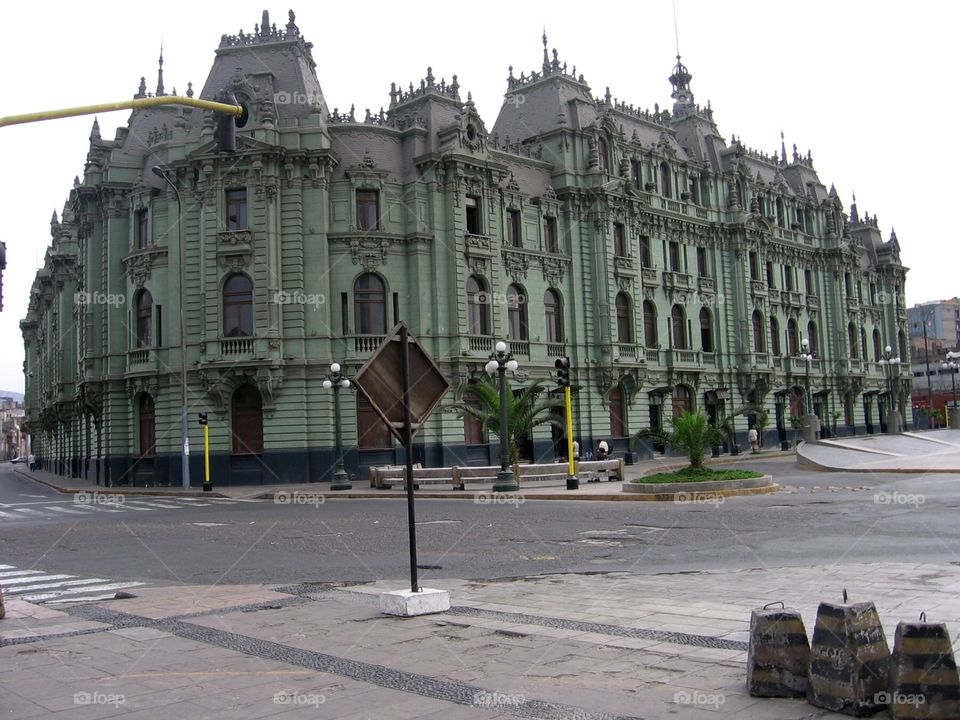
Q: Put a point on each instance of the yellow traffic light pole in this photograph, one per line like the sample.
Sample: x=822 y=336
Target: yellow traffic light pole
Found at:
x=123 y=105
x=207 y=486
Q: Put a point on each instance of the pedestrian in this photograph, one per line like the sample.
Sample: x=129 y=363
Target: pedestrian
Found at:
x=576 y=449
x=31 y=462
x=754 y=439
x=603 y=450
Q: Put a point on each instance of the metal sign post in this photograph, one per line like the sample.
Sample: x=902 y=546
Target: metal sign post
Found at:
x=408 y=445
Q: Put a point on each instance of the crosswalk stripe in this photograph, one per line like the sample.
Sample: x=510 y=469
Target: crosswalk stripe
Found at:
x=28 y=511
x=71 y=511
x=7 y=567
x=18 y=573
x=48 y=586
x=27 y=580
x=79 y=591
x=9 y=516
x=156 y=504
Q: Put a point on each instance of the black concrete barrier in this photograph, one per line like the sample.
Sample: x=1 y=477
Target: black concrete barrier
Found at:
x=924 y=683
x=849 y=659
x=779 y=653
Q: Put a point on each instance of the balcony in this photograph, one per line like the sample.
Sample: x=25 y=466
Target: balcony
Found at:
x=852 y=304
x=789 y=297
x=758 y=288
x=813 y=302
x=480 y=343
x=519 y=347
x=649 y=276
x=706 y=284
x=556 y=349
x=684 y=358
x=628 y=352
x=363 y=344
x=141 y=360
x=677 y=280
x=652 y=355
x=855 y=366
x=761 y=360
x=237 y=347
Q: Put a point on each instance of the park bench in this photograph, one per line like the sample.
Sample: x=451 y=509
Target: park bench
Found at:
x=459 y=476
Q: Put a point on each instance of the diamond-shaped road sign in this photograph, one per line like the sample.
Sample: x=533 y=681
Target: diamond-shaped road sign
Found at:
x=381 y=381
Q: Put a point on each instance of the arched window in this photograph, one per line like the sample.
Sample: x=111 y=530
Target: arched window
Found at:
x=682 y=400
x=238 y=306
x=666 y=186
x=144 y=319
x=148 y=426
x=852 y=341
x=618 y=425
x=758 y=338
x=774 y=336
x=370 y=305
x=553 y=313
x=624 y=319
x=812 y=336
x=792 y=338
x=706 y=331
x=603 y=155
x=779 y=208
x=678 y=322
x=478 y=318
x=637 y=171
x=649 y=324
x=517 y=328
x=876 y=345
x=246 y=416
x=863 y=344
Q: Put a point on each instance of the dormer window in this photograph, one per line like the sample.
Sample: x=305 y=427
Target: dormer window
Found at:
x=666 y=187
x=143 y=229
x=603 y=155
x=368 y=210
x=473 y=215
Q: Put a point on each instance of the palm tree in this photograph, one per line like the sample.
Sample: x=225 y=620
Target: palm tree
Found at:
x=692 y=432
x=525 y=410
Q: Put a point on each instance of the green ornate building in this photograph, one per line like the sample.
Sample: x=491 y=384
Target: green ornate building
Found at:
x=675 y=268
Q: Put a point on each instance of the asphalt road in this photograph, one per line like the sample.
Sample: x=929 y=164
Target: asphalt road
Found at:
x=848 y=518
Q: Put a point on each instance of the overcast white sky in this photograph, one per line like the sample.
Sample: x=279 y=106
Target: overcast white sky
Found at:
x=867 y=86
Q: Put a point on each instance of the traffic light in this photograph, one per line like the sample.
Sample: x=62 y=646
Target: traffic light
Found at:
x=563 y=371
x=226 y=125
x=203 y=418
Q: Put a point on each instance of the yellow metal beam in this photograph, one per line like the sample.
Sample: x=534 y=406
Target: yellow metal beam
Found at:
x=124 y=105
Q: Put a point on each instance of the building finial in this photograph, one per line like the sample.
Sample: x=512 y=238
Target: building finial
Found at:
x=854 y=215
x=95 y=130
x=546 y=55
x=783 y=149
x=160 y=73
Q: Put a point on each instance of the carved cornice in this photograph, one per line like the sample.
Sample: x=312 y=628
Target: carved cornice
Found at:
x=139 y=264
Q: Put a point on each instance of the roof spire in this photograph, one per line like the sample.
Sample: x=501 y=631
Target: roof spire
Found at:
x=160 y=73
x=783 y=149
x=854 y=215
x=546 y=55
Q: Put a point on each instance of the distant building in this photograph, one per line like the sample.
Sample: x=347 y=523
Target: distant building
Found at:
x=678 y=271
x=942 y=318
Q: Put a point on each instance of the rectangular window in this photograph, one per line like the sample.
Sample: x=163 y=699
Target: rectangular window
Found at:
x=808 y=281
x=675 y=257
x=159 y=326
x=645 y=258
x=788 y=278
x=473 y=215
x=513 y=228
x=143 y=229
x=237 y=210
x=396 y=308
x=702 y=262
x=368 y=210
x=619 y=241
x=754 y=266
x=847 y=284
x=344 y=313
x=873 y=294
x=859 y=291
x=550 y=235
x=770 y=281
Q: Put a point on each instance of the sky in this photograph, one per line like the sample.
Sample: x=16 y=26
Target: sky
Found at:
x=862 y=84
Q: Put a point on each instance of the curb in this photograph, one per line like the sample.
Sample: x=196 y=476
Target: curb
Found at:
x=122 y=490
x=698 y=488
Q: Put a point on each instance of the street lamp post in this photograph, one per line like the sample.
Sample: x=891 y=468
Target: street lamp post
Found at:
x=952 y=366
x=889 y=363
x=811 y=424
x=500 y=362
x=184 y=434
x=336 y=380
